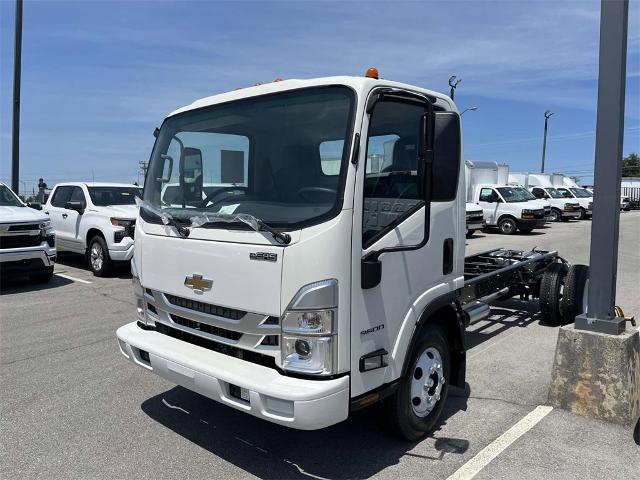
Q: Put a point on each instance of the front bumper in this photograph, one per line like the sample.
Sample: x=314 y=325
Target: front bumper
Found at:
x=531 y=223
x=26 y=260
x=121 y=253
x=476 y=225
x=292 y=402
x=575 y=214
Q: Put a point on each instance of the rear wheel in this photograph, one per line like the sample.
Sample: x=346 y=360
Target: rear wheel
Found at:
x=551 y=292
x=574 y=299
x=98 y=256
x=555 y=215
x=507 y=226
x=418 y=402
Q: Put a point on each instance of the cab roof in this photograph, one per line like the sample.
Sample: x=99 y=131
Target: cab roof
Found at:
x=359 y=84
x=96 y=184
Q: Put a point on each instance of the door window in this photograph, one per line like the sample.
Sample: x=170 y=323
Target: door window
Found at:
x=77 y=195
x=487 y=195
x=538 y=193
x=394 y=176
x=61 y=196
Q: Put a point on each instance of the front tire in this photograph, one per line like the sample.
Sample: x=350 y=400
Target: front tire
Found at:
x=507 y=226
x=415 y=408
x=98 y=256
x=470 y=233
x=44 y=276
x=583 y=214
x=555 y=215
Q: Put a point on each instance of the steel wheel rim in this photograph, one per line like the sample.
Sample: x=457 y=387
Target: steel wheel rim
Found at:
x=554 y=216
x=426 y=382
x=506 y=226
x=96 y=256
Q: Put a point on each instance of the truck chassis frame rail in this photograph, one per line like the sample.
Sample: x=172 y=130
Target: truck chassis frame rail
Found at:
x=503 y=273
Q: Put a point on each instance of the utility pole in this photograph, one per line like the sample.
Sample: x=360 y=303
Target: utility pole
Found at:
x=143 y=166
x=453 y=83
x=15 y=130
x=600 y=315
x=547 y=114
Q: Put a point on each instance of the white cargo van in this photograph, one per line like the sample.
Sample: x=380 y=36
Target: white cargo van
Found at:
x=474 y=219
x=569 y=189
x=504 y=206
x=539 y=184
x=328 y=273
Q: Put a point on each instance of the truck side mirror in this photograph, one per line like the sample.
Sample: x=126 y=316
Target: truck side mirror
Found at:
x=35 y=205
x=447 y=153
x=77 y=206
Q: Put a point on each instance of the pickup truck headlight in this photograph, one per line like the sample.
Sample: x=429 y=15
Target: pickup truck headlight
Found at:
x=121 y=222
x=308 y=329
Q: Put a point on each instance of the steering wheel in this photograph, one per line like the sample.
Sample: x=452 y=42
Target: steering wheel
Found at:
x=321 y=190
x=213 y=196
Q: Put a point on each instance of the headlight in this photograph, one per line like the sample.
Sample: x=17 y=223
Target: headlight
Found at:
x=309 y=329
x=121 y=222
x=45 y=224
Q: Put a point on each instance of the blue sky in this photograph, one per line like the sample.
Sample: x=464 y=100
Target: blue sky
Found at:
x=98 y=77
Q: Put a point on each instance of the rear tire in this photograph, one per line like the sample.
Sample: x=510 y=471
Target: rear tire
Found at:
x=507 y=226
x=551 y=291
x=575 y=288
x=415 y=408
x=98 y=256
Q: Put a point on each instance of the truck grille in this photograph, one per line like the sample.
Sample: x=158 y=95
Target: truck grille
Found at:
x=475 y=217
x=24 y=227
x=538 y=214
x=203 y=327
x=202 y=307
x=19 y=241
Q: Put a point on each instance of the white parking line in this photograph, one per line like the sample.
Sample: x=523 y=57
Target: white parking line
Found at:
x=74 y=279
x=495 y=448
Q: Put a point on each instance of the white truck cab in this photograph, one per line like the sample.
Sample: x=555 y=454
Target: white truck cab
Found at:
x=325 y=272
x=95 y=219
x=569 y=189
x=540 y=185
x=27 y=242
x=505 y=207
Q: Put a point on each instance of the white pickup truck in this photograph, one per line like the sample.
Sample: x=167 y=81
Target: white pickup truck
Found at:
x=27 y=242
x=327 y=272
x=96 y=220
x=474 y=219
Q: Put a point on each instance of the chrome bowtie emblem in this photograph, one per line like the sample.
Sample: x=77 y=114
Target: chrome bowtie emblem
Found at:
x=198 y=284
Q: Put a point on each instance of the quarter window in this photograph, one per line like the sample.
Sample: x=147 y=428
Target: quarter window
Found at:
x=394 y=178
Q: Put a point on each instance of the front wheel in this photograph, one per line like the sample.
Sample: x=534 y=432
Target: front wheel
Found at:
x=98 y=256
x=417 y=404
x=583 y=214
x=507 y=226
x=44 y=276
x=470 y=233
x=555 y=215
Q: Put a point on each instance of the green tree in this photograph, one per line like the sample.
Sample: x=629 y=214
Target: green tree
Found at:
x=631 y=165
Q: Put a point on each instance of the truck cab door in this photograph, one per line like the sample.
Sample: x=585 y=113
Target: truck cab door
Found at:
x=58 y=214
x=389 y=211
x=488 y=200
x=71 y=222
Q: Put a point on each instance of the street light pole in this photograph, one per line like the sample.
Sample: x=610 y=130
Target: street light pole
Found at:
x=453 y=83
x=547 y=114
x=469 y=109
x=15 y=130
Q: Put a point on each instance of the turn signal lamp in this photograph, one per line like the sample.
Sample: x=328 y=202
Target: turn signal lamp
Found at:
x=372 y=72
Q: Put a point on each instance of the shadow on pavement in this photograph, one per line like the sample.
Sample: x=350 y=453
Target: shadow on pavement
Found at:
x=22 y=284
x=355 y=448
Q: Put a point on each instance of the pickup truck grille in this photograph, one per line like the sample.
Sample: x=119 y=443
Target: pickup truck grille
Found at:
x=24 y=226
x=19 y=241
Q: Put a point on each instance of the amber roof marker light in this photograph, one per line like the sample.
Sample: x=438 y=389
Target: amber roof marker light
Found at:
x=372 y=72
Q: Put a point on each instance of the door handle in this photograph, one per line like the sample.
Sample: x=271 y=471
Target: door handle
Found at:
x=64 y=215
x=46 y=213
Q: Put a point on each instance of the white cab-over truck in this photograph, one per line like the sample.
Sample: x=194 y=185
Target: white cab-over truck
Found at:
x=27 y=242
x=505 y=207
x=539 y=184
x=327 y=272
x=96 y=220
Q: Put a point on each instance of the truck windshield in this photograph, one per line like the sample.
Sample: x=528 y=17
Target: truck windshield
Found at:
x=8 y=198
x=281 y=158
x=513 y=194
x=581 y=192
x=105 y=196
x=526 y=193
x=553 y=193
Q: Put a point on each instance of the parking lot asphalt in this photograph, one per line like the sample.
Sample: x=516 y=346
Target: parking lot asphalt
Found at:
x=73 y=407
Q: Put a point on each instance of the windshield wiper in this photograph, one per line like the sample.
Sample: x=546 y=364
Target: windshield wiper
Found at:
x=254 y=222
x=166 y=218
